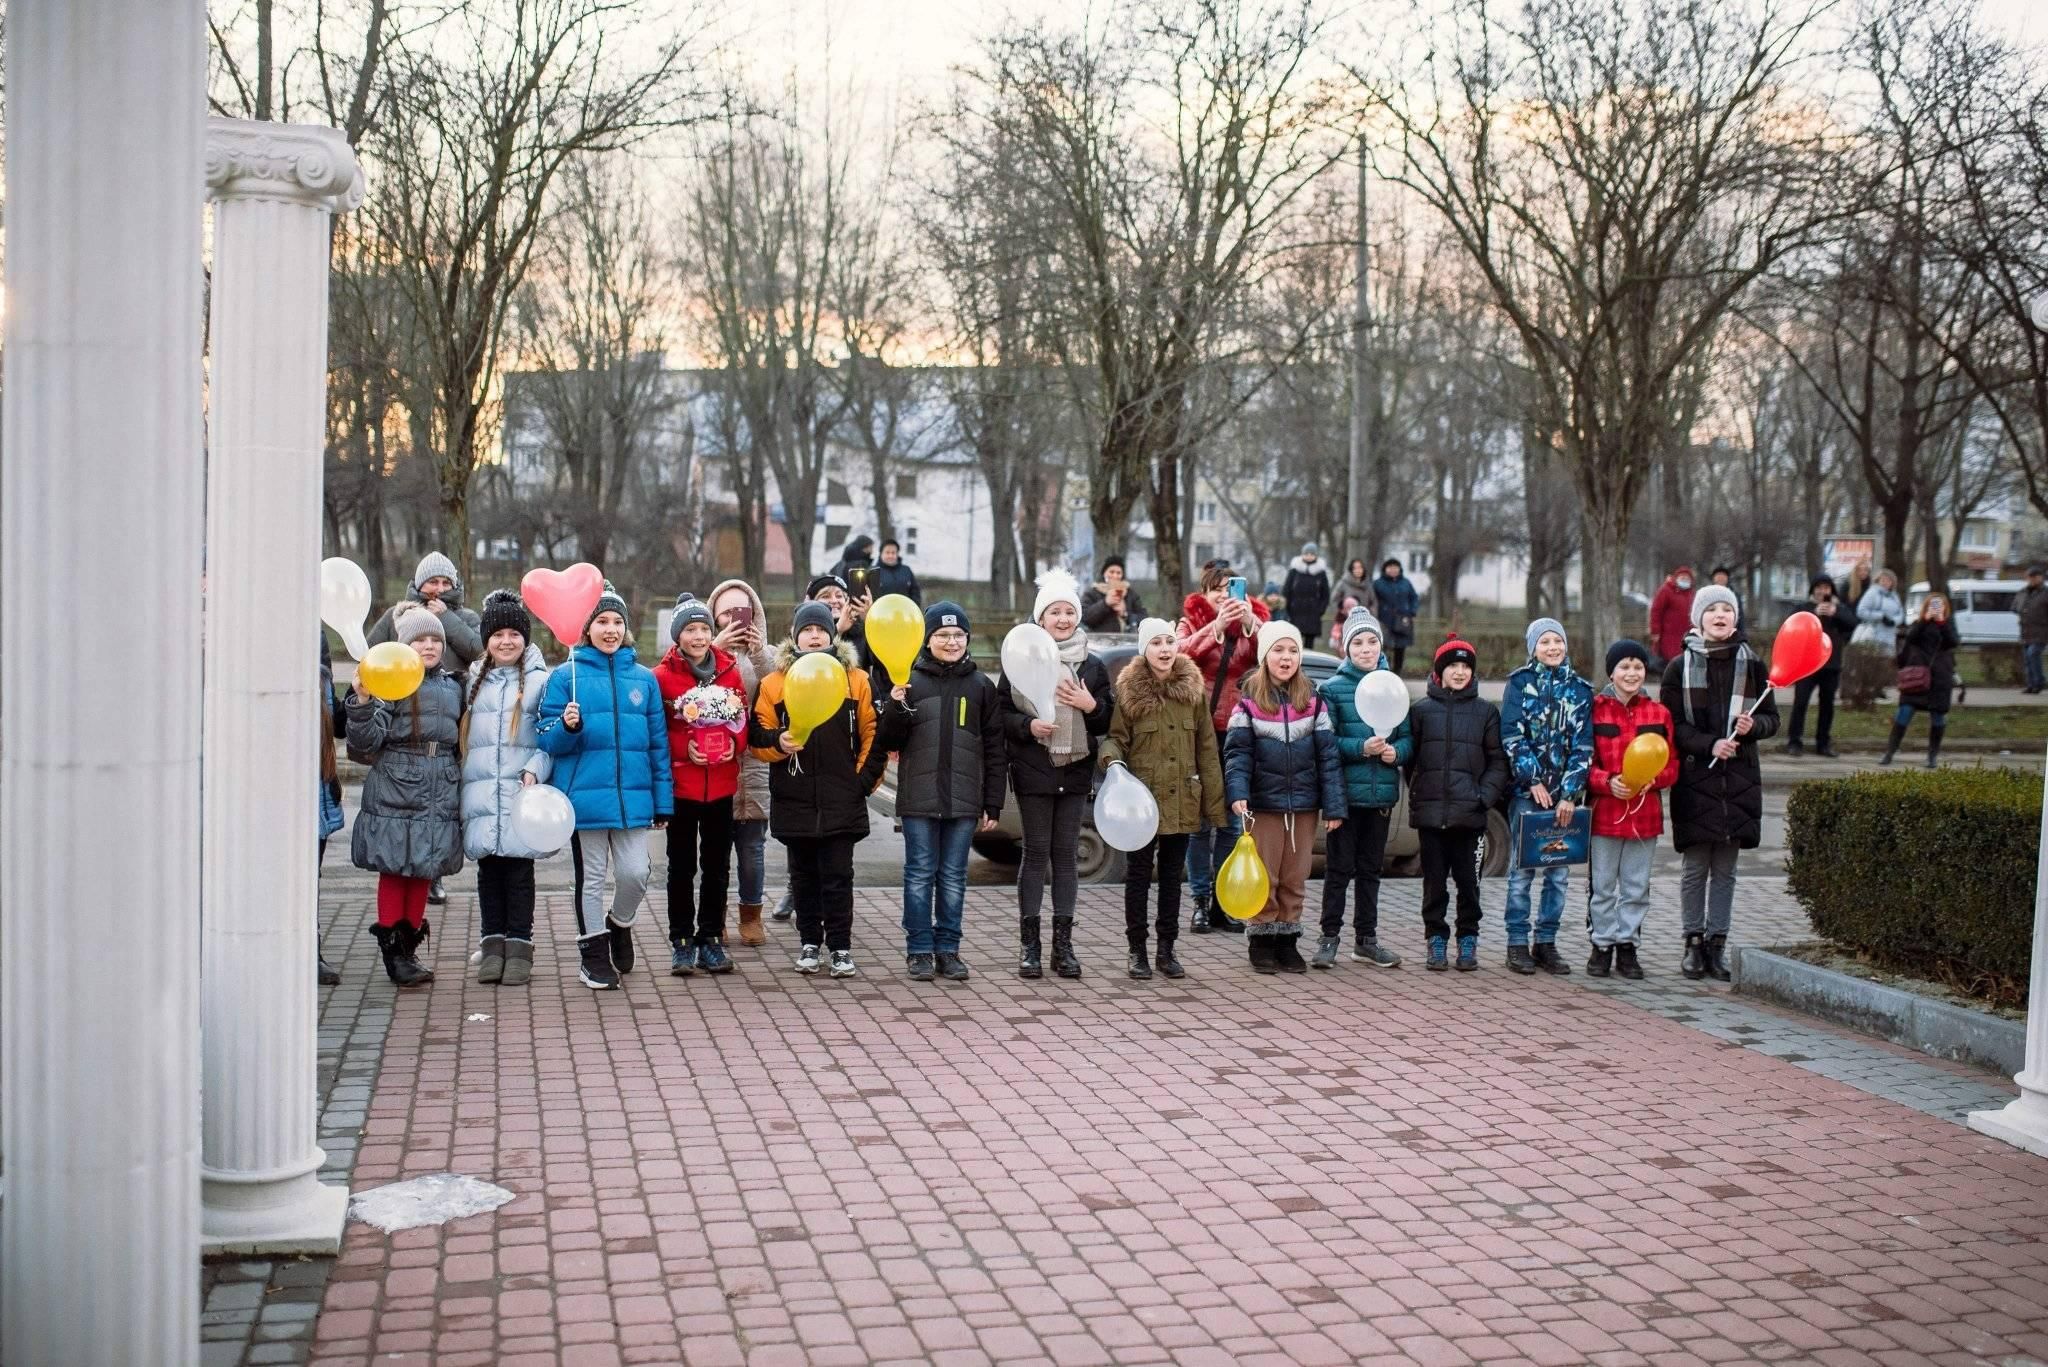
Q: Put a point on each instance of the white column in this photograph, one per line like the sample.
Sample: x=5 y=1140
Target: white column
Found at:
x=275 y=188
x=100 y=527
x=2024 y=1120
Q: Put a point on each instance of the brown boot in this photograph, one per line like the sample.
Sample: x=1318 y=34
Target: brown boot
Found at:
x=751 y=932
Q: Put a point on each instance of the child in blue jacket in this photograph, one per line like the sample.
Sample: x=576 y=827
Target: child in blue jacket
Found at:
x=1546 y=728
x=1372 y=782
x=610 y=746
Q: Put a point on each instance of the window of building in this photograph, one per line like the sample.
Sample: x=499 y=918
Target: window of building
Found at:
x=1205 y=512
x=835 y=493
x=906 y=486
x=1205 y=551
x=909 y=540
x=837 y=534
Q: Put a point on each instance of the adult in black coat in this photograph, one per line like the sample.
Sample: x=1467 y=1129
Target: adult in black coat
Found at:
x=858 y=555
x=1838 y=620
x=1929 y=645
x=1112 y=607
x=1307 y=591
x=893 y=575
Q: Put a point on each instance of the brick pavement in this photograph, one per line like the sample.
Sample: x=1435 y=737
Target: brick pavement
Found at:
x=1354 y=1166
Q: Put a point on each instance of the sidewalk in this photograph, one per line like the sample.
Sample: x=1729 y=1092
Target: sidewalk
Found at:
x=1344 y=1167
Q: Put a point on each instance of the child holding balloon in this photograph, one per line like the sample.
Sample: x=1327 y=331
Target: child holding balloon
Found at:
x=1633 y=763
x=1162 y=733
x=501 y=756
x=814 y=725
x=1372 y=748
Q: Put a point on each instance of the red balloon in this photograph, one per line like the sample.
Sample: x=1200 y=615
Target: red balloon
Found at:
x=564 y=599
x=1800 y=649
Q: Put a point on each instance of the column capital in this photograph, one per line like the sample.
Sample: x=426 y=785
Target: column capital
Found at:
x=296 y=163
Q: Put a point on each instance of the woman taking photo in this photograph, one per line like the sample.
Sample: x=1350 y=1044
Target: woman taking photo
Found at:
x=1219 y=631
x=1927 y=677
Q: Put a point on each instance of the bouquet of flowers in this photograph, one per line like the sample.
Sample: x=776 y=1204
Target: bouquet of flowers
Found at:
x=716 y=715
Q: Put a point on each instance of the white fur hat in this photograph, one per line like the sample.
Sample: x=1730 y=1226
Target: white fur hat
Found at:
x=1152 y=627
x=1277 y=631
x=1056 y=585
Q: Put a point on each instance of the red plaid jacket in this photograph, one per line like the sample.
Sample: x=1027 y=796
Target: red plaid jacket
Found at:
x=1615 y=724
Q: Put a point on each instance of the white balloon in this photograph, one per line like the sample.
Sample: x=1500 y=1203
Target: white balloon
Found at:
x=345 y=601
x=1382 y=701
x=1126 y=817
x=543 y=818
x=1031 y=663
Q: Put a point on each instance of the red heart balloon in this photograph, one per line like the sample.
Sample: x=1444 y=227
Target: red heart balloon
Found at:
x=1800 y=649
x=564 y=599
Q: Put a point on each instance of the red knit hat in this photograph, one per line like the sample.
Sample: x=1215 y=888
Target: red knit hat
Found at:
x=1453 y=651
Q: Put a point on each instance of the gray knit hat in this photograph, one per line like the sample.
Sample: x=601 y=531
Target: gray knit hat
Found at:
x=434 y=565
x=608 y=601
x=813 y=615
x=415 y=622
x=688 y=610
x=1538 y=627
x=1710 y=595
x=1359 y=622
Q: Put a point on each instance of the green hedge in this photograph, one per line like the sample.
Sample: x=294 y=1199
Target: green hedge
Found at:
x=1930 y=873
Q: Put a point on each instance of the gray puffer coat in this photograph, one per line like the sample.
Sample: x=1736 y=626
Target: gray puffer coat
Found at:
x=500 y=749
x=410 y=822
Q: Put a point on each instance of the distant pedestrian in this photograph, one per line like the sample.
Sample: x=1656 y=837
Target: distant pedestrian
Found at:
x=1546 y=727
x=1308 y=592
x=1398 y=605
x=1626 y=822
x=894 y=575
x=1112 y=607
x=1372 y=789
x=855 y=567
x=742 y=634
x=1839 y=622
x=1356 y=585
x=1218 y=631
x=501 y=757
x=1880 y=614
x=1671 y=615
x=436 y=587
x=1927 y=677
x=697 y=680
x=2032 y=607
x=1458 y=775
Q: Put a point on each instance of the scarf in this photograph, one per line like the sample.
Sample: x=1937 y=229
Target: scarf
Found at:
x=1697 y=702
x=705 y=669
x=1069 y=738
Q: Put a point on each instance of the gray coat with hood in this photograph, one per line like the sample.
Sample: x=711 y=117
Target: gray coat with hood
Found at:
x=499 y=750
x=461 y=625
x=410 y=822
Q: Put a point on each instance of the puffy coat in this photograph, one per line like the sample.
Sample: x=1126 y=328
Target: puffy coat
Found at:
x=1399 y=604
x=750 y=802
x=1222 y=671
x=1032 y=772
x=1460 y=771
x=1671 y=614
x=460 y=625
x=500 y=744
x=823 y=791
x=614 y=767
x=689 y=779
x=1161 y=732
x=1367 y=782
x=1616 y=724
x=1934 y=645
x=951 y=758
x=1546 y=726
x=1099 y=615
x=410 y=821
x=1284 y=760
x=1717 y=803
x=1880 y=617
x=1308 y=596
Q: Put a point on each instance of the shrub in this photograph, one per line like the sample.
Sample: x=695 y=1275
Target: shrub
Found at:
x=1930 y=873
x=1866 y=673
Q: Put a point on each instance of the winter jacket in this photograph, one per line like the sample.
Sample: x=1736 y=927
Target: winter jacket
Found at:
x=331 y=816
x=1934 y=645
x=1459 y=772
x=1222 y=669
x=1840 y=629
x=952 y=759
x=500 y=747
x=822 y=790
x=614 y=767
x=410 y=822
x=1359 y=590
x=461 y=626
x=750 y=803
x=1717 y=803
x=1162 y=733
x=1284 y=760
x=1399 y=604
x=1099 y=615
x=1671 y=614
x=1546 y=726
x=896 y=578
x=689 y=779
x=1616 y=724
x=1368 y=782
x=2032 y=607
x=1032 y=772
x=1308 y=595
x=1880 y=616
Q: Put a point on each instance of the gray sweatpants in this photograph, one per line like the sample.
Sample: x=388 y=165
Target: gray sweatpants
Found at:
x=1706 y=887
x=1620 y=897
x=623 y=856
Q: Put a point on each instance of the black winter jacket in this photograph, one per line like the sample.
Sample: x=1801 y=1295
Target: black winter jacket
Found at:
x=951 y=758
x=1284 y=761
x=1460 y=770
x=1032 y=772
x=1717 y=803
x=1933 y=645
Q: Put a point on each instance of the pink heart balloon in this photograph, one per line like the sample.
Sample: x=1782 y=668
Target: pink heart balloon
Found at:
x=564 y=599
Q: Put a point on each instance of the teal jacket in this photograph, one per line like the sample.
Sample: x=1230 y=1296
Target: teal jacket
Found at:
x=1367 y=782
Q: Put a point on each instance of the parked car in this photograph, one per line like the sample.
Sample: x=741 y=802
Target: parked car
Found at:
x=1982 y=608
x=1100 y=864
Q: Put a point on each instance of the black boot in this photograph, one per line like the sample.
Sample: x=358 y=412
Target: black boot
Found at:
x=1600 y=963
x=1934 y=750
x=385 y=936
x=1891 y=745
x=1717 y=958
x=1287 y=953
x=622 y=945
x=1520 y=960
x=1625 y=963
x=1259 y=949
x=405 y=944
x=1223 y=923
x=595 y=970
x=1063 y=961
x=1549 y=960
x=1694 y=964
x=329 y=975
x=1199 y=922
x=1141 y=967
x=1027 y=952
x=1165 y=961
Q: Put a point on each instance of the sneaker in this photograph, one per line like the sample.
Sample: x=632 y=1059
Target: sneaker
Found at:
x=622 y=946
x=1371 y=951
x=1600 y=963
x=923 y=967
x=842 y=963
x=951 y=968
x=712 y=958
x=808 y=959
x=785 y=908
x=1223 y=923
x=1438 y=960
x=1626 y=964
x=682 y=960
x=1468 y=953
x=595 y=969
x=1326 y=952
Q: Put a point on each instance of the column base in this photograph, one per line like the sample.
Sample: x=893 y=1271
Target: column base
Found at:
x=2021 y=1122
x=298 y=1215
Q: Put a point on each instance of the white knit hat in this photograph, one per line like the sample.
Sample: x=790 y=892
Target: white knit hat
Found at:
x=1056 y=585
x=1277 y=631
x=1153 y=627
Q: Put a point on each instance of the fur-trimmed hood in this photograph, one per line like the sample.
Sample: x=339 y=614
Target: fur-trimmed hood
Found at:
x=786 y=655
x=1141 y=693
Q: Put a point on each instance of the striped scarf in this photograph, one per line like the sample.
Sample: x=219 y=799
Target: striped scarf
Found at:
x=1697 y=701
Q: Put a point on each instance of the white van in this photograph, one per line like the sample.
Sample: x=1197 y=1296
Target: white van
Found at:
x=1983 y=609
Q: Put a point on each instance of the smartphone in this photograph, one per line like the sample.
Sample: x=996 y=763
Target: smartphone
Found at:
x=1236 y=588
x=857 y=582
x=743 y=616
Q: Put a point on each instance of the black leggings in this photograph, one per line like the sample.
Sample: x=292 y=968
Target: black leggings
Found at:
x=504 y=893
x=1172 y=853
x=1052 y=842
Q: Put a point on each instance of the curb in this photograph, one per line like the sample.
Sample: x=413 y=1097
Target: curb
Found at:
x=1948 y=1032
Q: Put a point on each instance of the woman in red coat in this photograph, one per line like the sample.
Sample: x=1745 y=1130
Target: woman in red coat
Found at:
x=704 y=698
x=1220 y=633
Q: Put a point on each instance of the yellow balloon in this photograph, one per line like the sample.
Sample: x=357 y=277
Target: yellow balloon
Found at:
x=813 y=692
x=391 y=671
x=1242 y=886
x=1644 y=759
x=895 y=634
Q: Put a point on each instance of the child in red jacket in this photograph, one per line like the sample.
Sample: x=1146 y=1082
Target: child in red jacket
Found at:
x=1626 y=823
x=706 y=702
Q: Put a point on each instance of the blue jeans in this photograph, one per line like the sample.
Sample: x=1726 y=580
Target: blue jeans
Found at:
x=2036 y=678
x=1207 y=850
x=935 y=852
x=1550 y=911
x=750 y=843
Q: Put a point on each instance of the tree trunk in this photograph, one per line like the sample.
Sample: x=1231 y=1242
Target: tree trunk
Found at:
x=878 y=474
x=1898 y=523
x=1168 y=551
x=1603 y=542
